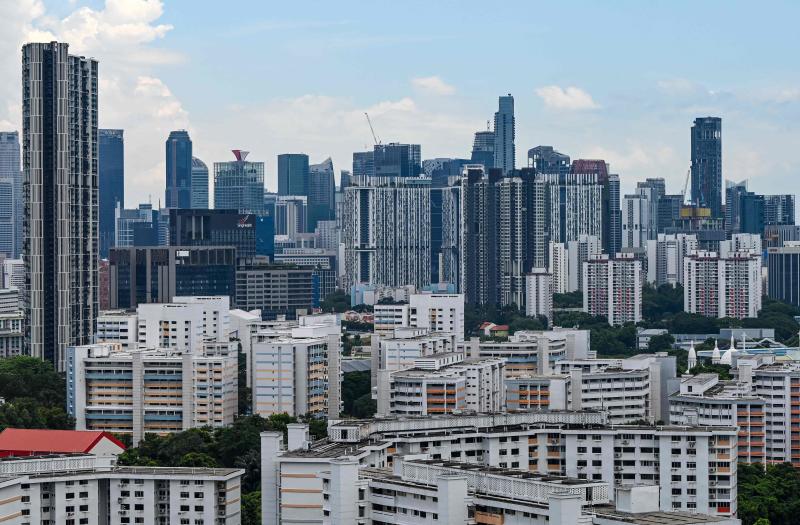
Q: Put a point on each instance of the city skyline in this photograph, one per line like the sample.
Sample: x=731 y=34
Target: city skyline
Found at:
x=157 y=64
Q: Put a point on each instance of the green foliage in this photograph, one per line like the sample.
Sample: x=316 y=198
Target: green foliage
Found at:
x=337 y=302
x=364 y=407
x=354 y=386
x=197 y=459
x=317 y=427
x=351 y=341
x=771 y=494
x=724 y=371
x=357 y=326
x=660 y=343
x=568 y=300
x=245 y=393
x=251 y=508
x=658 y=303
x=35 y=395
x=510 y=315
x=777 y=315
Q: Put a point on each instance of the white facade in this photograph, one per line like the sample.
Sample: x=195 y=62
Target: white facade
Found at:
x=13 y=274
x=170 y=325
x=92 y=490
x=722 y=286
x=158 y=391
x=741 y=242
x=443 y=313
x=700 y=461
x=297 y=369
x=539 y=294
x=216 y=314
x=635 y=221
x=559 y=267
x=579 y=251
x=118 y=326
x=665 y=257
x=12 y=334
x=613 y=288
x=10 y=300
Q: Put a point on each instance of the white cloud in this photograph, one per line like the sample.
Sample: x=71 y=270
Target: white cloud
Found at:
x=434 y=85
x=570 y=98
x=119 y=35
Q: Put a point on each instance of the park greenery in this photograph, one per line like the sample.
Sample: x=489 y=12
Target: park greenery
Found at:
x=769 y=496
x=34 y=395
x=357 y=396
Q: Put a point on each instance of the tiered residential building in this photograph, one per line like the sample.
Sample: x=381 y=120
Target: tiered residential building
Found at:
x=665 y=257
x=539 y=294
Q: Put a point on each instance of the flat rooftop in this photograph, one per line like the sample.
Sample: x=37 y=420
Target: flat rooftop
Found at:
x=655 y=518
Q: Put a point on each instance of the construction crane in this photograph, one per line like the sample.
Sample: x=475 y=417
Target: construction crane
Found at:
x=374 y=137
x=686 y=183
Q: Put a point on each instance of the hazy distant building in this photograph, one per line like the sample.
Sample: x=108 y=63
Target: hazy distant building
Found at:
x=733 y=201
x=59 y=140
x=291 y=215
x=111 y=181
x=635 y=220
x=483 y=149
x=363 y=164
x=665 y=258
x=669 y=211
x=544 y=159
x=783 y=268
x=199 y=184
x=293 y=174
x=504 y=149
x=707 y=164
x=178 y=192
x=11 y=195
x=239 y=184
x=321 y=190
x=653 y=189
x=779 y=209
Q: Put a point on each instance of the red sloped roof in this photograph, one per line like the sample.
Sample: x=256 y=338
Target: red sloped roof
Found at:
x=55 y=441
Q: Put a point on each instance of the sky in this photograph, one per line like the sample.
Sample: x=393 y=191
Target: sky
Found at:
x=621 y=81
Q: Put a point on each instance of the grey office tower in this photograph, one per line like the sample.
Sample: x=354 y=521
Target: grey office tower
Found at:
x=707 y=164
x=11 y=201
x=111 y=180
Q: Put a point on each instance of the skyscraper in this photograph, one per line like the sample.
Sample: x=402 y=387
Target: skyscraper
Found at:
x=199 y=184
x=178 y=192
x=611 y=215
x=751 y=213
x=293 y=174
x=111 y=179
x=707 y=164
x=397 y=160
x=544 y=159
x=653 y=189
x=59 y=141
x=11 y=201
x=363 y=164
x=479 y=226
x=483 y=149
x=321 y=191
x=239 y=184
x=733 y=194
x=779 y=209
x=635 y=221
x=504 y=155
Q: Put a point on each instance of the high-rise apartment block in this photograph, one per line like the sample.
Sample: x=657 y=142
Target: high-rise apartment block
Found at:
x=504 y=131
x=728 y=286
x=636 y=225
x=707 y=164
x=111 y=180
x=59 y=143
x=386 y=232
x=539 y=294
x=11 y=195
x=779 y=209
x=665 y=257
x=613 y=288
x=178 y=192
x=580 y=250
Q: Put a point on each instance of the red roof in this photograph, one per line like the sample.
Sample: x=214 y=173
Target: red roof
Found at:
x=499 y=328
x=25 y=442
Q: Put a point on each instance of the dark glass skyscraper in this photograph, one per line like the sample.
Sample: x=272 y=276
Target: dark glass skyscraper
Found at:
x=363 y=164
x=707 y=164
x=321 y=191
x=11 y=200
x=733 y=202
x=179 y=170
x=504 y=154
x=293 y=174
x=397 y=160
x=59 y=143
x=111 y=178
x=751 y=213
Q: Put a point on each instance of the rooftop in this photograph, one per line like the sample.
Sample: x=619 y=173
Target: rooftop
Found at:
x=33 y=441
x=655 y=518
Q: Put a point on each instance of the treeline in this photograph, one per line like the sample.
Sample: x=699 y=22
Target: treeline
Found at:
x=34 y=395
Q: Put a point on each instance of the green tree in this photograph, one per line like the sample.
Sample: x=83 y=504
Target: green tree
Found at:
x=354 y=385
x=364 y=407
x=723 y=371
x=771 y=493
x=568 y=300
x=660 y=343
x=251 y=508
x=337 y=302
x=197 y=459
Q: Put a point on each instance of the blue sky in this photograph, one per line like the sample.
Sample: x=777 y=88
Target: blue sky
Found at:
x=615 y=80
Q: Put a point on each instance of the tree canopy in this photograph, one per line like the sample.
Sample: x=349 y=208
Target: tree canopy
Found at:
x=771 y=494
x=34 y=393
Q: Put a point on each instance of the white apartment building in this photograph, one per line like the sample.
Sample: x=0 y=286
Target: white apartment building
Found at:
x=443 y=384
x=10 y=300
x=741 y=242
x=585 y=248
x=559 y=267
x=436 y=312
x=216 y=314
x=636 y=220
x=13 y=274
x=717 y=286
x=151 y=390
x=12 y=334
x=694 y=467
x=93 y=490
x=533 y=352
x=665 y=257
x=118 y=326
x=613 y=288
x=539 y=294
x=297 y=369
x=244 y=325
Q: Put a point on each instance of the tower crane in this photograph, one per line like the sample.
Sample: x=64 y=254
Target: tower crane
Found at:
x=686 y=183
x=374 y=137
